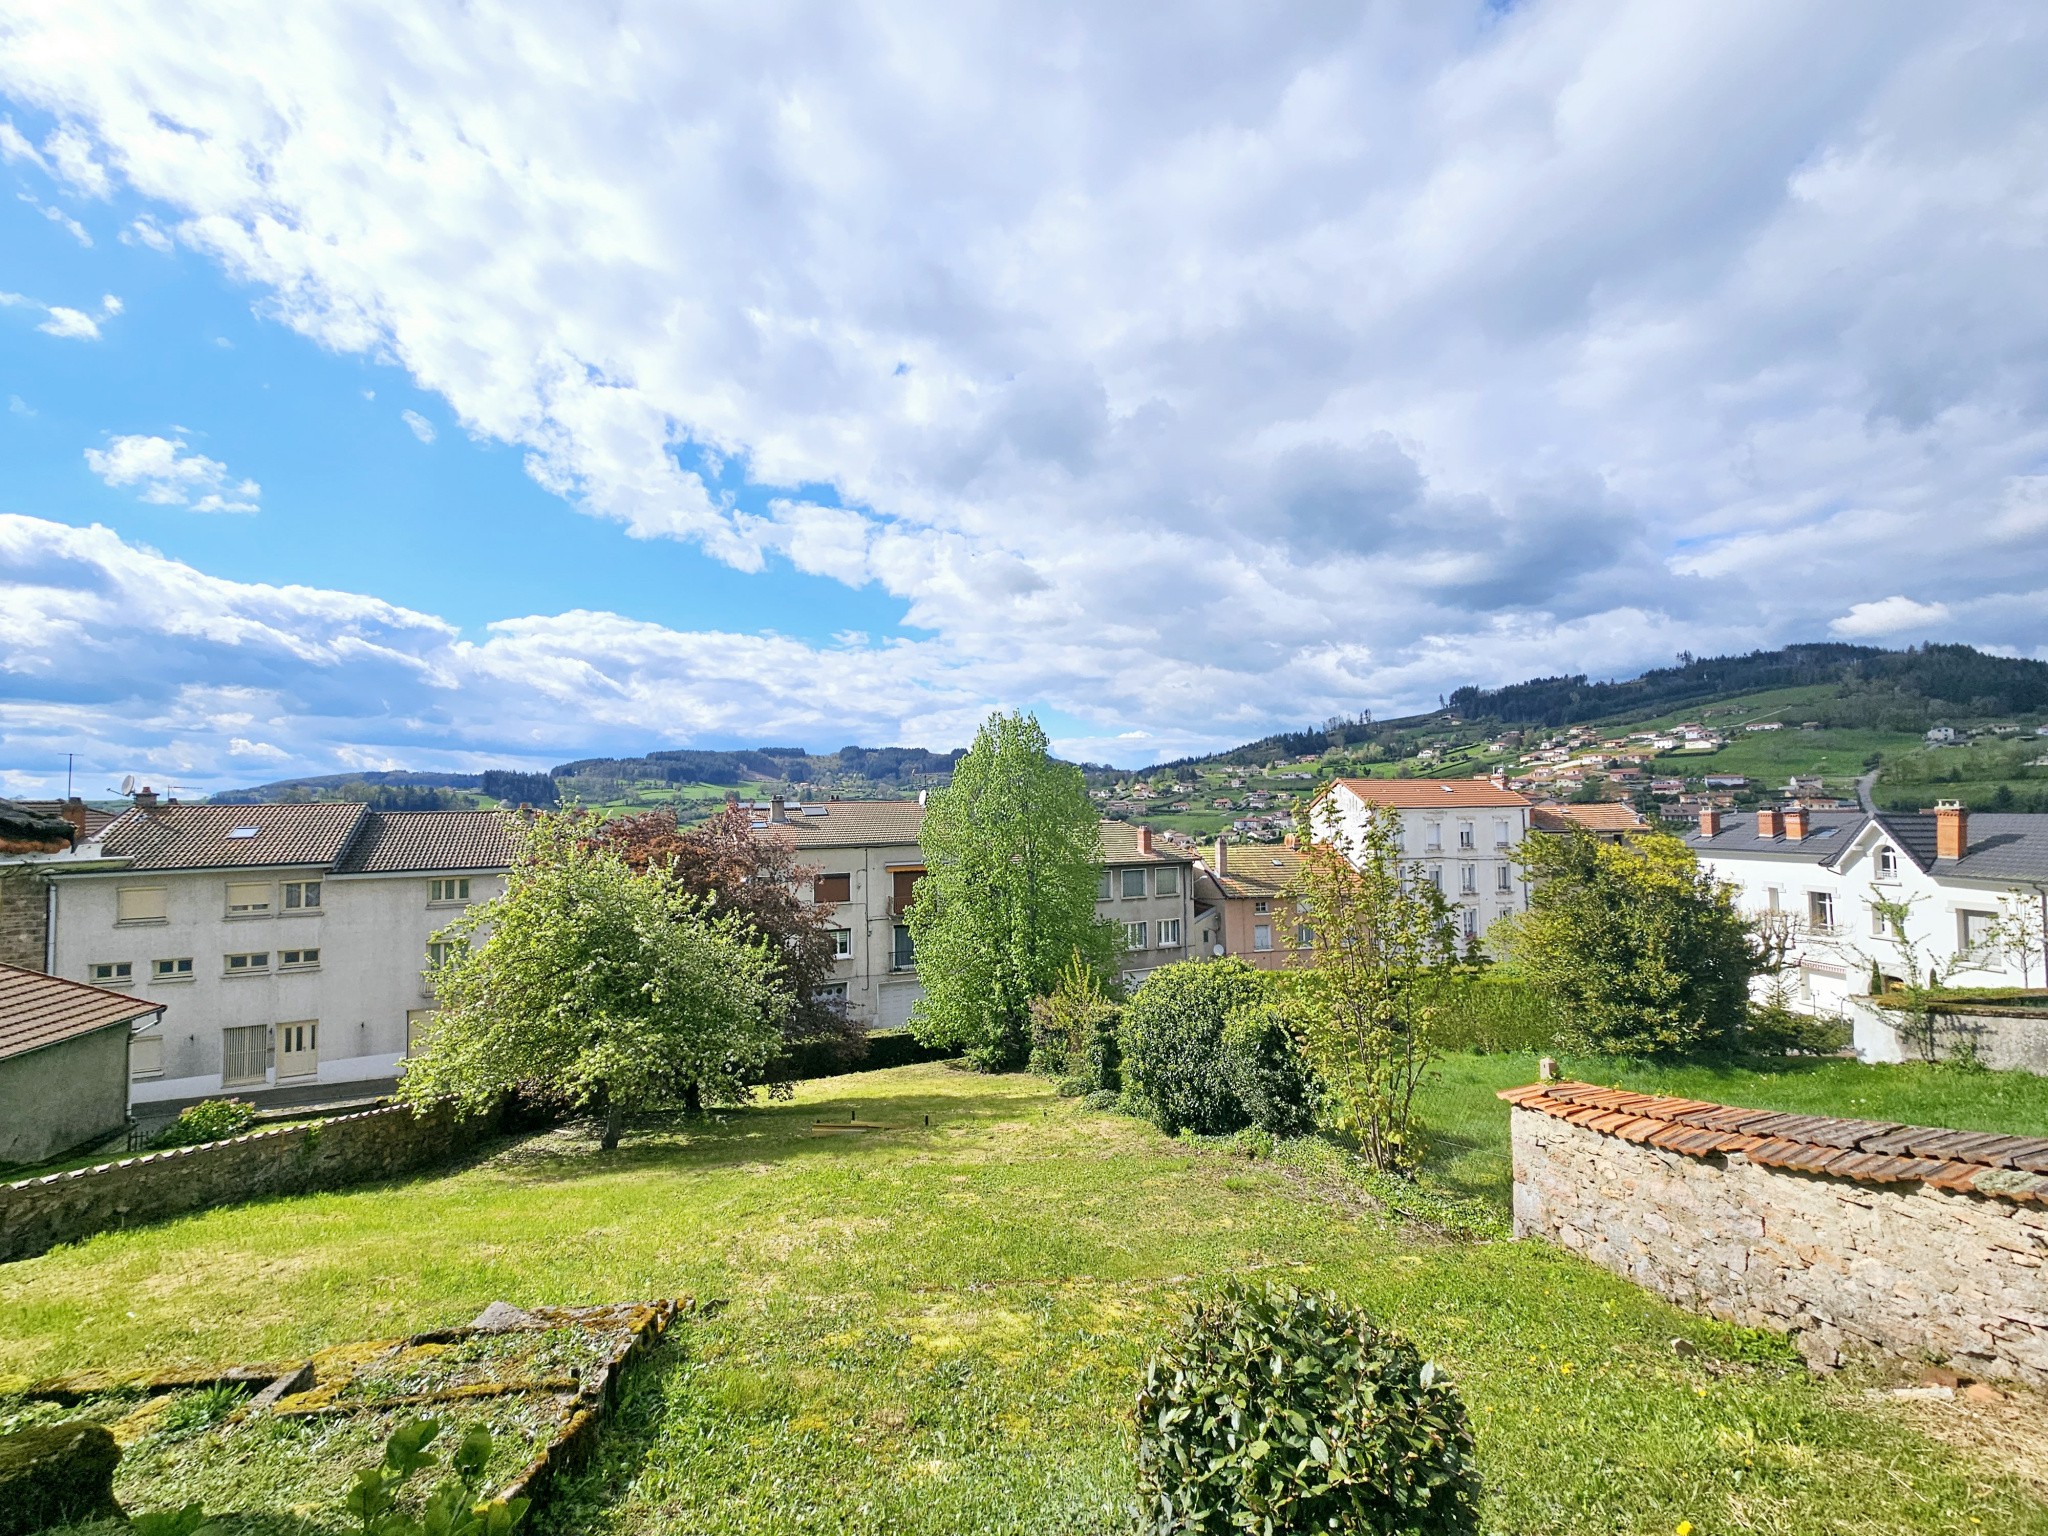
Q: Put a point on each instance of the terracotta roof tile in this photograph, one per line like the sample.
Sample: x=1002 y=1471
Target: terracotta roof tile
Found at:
x=38 y=1010
x=1424 y=794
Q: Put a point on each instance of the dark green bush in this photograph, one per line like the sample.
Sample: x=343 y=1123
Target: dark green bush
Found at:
x=1172 y=1042
x=1264 y=1070
x=885 y=1048
x=1491 y=1011
x=1278 y=1411
x=214 y=1120
x=1776 y=1029
x=1074 y=1032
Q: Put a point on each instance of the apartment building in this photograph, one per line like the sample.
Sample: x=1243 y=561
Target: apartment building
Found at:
x=1243 y=904
x=1463 y=833
x=287 y=944
x=1838 y=879
x=868 y=861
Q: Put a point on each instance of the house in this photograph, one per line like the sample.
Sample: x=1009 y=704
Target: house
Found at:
x=63 y=1062
x=286 y=945
x=868 y=861
x=1840 y=880
x=1462 y=832
x=1943 y=736
x=1609 y=820
x=1243 y=905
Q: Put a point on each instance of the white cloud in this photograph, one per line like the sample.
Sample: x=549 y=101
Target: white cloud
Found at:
x=1348 y=358
x=63 y=220
x=146 y=231
x=167 y=474
x=19 y=406
x=422 y=428
x=61 y=320
x=1889 y=616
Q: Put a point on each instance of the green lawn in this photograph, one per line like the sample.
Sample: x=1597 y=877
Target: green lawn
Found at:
x=936 y=1329
x=1468 y=1125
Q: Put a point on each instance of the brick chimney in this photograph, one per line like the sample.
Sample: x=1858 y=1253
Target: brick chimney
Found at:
x=1144 y=839
x=1795 y=824
x=778 y=810
x=1770 y=821
x=1222 y=864
x=1292 y=840
x=145 y=799
x=73 y=811
x=1951 y=829
x=1710 y=821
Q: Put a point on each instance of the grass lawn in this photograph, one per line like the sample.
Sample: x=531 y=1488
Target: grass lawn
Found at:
x=936 y=1330
x=1468 y=1126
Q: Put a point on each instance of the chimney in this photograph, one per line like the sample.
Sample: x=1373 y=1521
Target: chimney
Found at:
x=145 y=799
x=1770 y=821
x=1291 y=840
x=1795 y=823
x=73 y=811
x=1710 y=821
x=1951 y=829
x=778 y=810
x=1222 y=866
x=1144 y=839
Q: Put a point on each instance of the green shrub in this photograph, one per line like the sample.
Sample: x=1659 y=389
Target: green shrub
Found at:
x=1172 y=1043
x=885 y=1048
x=1491 y=1012
x=1103 y=1098
x=1776 y=1029
x=1264 y=1070
x=456 y=1508
x=213 y=1120
x=1279 y=1411
x=1074 y=1031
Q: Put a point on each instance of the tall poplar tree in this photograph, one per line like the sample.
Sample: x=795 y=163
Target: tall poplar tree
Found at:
x=1013 y=854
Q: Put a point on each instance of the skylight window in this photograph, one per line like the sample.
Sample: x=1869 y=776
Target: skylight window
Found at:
x=243 y=831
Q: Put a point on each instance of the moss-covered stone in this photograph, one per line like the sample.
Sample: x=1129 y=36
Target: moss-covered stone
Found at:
x=54 y=1474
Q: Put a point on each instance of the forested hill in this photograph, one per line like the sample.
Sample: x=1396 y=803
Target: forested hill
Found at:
x=1958 y=677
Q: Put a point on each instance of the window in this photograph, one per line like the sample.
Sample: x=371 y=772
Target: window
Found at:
x=1503 y=879
x=1133 y=883
x=832 y=995
x=1166 y=882
x=1973 y=929
x=1169 y=933
x=248 y=965
x=248 y=898
x=1436 y=876
x=1262 y=907
x=444 y=952
x=1468 y=879
x=146 y=1056
x=905 y=956
x=1433 y=838
x=1304 y=937
x=244 y=1054
x=1470 y=921
x=298 y=1049
x=1262 y=936
x=1103 y=890
x=1504 y=913
x=842 y=943
x=833 y=889
x=1134 y=935
x=298 y=959
x=171 y=970
x=446 y=890
x=304 y=895
x=139 y=904
x=1773 y=899
x=1500 y=832
x=1887 y=863
x=1467 y=838
x=417 y=1022
x=112 y=973
x=1820 y=911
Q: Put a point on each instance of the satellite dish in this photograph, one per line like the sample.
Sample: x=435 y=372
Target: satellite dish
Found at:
x=1217 y=951
x=128 y=784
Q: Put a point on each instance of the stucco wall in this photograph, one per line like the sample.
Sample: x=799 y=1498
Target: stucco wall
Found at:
x=63 y=1096
x=1431 y=838
x=1845 y=1267
x=39 y=1214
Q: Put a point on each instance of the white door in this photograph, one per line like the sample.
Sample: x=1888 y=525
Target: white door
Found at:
x=298 y=1049
x=896 y=1003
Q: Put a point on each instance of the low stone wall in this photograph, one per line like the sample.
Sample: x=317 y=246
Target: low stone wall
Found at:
x=1908 y=1249
x=2005 y=1039
x=38 y=1214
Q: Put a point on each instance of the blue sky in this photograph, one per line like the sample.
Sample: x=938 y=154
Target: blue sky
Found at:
x=453 y=388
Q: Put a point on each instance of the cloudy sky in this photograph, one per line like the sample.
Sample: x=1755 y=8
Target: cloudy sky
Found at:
x=434 y=385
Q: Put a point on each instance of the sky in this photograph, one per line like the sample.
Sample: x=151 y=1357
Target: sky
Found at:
x=446 y=386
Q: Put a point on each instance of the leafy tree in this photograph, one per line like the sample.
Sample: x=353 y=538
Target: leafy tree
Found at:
x=1378 y=929
x=727 y=866
x=1013 y=851
x=612 y=988
x=1642 y=950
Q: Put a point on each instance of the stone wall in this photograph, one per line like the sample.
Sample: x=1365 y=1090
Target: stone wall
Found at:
x=1846 y=1267
x=2006 y=1040
x=38 y=1214
x=24 y=917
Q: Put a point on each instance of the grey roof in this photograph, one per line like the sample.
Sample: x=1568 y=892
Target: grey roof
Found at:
x=2002 y=845
x=38 y=1010
x=1828 y=833
x=392 y=841
x=203 y=836
x=844 y=823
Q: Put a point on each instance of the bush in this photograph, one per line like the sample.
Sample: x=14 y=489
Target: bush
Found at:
x=1775 y=1028
x=1490 y=1012
x=1074 y=1031
x=1172 y=1043
x=1264 y=1071
x=213 y=1120
x=883 y=1048
x=1280 y=1411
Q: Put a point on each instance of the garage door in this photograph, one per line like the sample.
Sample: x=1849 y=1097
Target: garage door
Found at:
x=897 y=1001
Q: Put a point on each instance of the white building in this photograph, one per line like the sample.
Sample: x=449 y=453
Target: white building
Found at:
x=1462 y=832
x=286 y=943
x=1840 y=878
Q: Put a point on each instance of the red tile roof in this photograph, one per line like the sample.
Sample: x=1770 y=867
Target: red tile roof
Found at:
x=1869 y=1151
x=1609 y=816
x=38 y=1010
x=1422 y=794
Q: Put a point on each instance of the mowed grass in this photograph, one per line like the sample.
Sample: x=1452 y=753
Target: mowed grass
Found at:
x=1466 y=1126
x=937 y=1329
